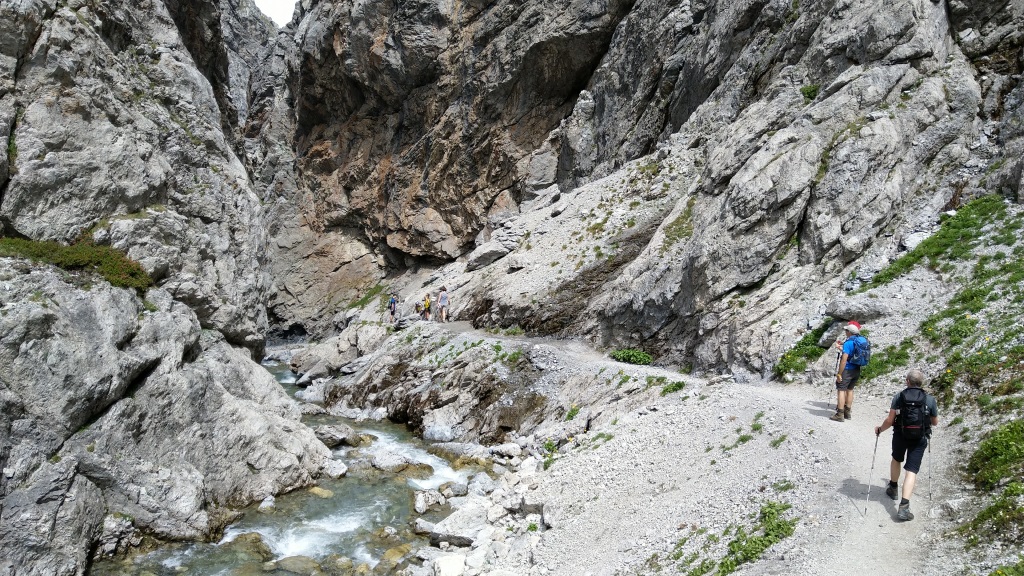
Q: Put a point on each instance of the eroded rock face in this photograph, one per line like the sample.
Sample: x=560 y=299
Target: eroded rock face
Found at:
x=120 y=120
x=116 y=409
x=416 y=127
x=807 y=145
x=421 y=129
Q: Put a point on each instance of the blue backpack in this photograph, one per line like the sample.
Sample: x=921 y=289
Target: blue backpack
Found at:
x=861 y=351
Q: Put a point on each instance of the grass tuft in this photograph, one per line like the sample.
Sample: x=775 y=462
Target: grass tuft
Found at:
x=112 y=265
x=806 y=350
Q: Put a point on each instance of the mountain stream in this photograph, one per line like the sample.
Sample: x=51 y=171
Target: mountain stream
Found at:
x=368 y=514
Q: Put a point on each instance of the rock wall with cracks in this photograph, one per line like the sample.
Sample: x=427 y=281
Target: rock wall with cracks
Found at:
x=122 y=418
x=827 y=141
x=836 y=131
x=121 y=121
x=420 y=130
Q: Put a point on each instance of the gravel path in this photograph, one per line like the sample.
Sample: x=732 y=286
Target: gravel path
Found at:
x=664 y=474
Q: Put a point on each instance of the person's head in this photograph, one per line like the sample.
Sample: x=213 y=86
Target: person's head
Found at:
x=915 y=379
x=852 y=328
x=443 y=289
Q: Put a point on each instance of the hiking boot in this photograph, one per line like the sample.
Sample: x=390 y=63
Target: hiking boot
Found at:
x=848 y=413
x=904 y=513
x=838 y=417
x=891 y=492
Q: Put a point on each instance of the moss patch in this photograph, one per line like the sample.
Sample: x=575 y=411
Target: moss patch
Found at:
x=112 y=265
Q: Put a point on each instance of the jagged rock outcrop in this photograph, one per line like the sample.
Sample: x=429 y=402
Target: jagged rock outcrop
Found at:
x=120 y=120
x=797 y=146
x=416 y=127
x=461 y=391
x=120 y=408
x=839 y=127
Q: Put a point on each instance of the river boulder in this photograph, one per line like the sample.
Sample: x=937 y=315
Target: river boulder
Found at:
x=337 y=434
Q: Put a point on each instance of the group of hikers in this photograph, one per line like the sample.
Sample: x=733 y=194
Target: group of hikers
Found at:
x=424 y=307
x=912 y=415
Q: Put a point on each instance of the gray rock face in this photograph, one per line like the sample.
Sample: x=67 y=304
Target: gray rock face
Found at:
x=893 y=104
x=802 y=146
x=120 y=122
x=112 y=410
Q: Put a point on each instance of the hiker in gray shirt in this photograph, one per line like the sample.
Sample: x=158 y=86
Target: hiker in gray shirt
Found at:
x=913 y=414
x=442 y=303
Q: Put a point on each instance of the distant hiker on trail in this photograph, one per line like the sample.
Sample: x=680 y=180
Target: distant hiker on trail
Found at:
x=442 y=303
x=393 y=306
x=426 y=306
x=912 y=416
x=854 y=354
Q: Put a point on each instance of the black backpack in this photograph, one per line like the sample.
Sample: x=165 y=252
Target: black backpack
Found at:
x=914 y=420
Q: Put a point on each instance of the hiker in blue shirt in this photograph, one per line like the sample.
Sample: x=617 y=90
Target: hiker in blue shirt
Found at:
x=847 y=374
x=393 y=305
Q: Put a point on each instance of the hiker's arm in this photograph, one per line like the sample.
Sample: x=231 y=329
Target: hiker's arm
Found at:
x=935 y=421
x=842 y=366
x=887 y=423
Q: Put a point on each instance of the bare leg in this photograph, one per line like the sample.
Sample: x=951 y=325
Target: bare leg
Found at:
x=894 y=471
x=908 y=485
x=849 y=398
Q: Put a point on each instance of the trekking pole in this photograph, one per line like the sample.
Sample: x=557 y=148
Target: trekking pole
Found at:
x=871 y=475
x=930 y=469
x=828 y=388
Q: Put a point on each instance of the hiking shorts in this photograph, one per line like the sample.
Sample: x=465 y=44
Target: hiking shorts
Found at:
x=914 y=452
x=850 y=377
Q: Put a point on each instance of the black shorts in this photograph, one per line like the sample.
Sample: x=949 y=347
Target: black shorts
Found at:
x=913 y=451
x=850 y=377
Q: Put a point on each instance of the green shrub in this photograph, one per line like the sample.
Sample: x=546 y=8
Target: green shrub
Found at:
x=681 y=227
x=84 y=255
x=672 y=387
x=810 y=92
x=1003 y=519
x=806 y=350
x=1000 y=455
x=369 y=296
x=887 y=360
x=783 y=486
x=631 y=356
x=572 y=413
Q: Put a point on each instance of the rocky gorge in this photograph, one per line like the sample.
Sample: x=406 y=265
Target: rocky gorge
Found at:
x=710 y=182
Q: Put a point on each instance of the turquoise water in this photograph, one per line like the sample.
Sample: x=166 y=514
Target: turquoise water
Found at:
x=368 y=513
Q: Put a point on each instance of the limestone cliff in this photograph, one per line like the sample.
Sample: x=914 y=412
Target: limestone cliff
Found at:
x=121 y=416
x=120 y=120
x=809 y=139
